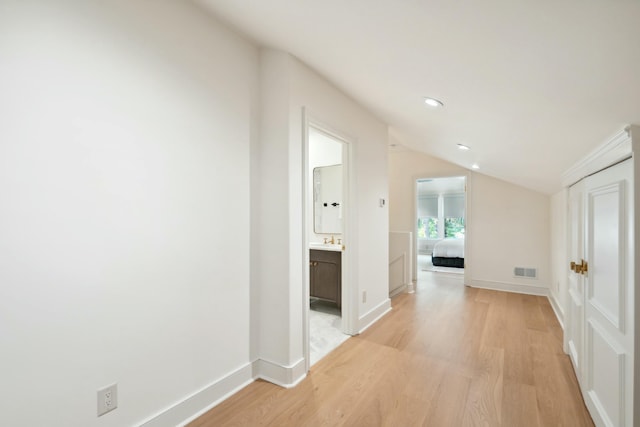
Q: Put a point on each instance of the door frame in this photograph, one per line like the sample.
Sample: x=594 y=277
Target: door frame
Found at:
x=349 y=292
x=467 y=218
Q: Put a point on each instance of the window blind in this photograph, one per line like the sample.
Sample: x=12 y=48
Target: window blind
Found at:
x=428 y=206
x=454 y=205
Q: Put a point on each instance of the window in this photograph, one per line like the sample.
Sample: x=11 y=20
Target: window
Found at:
x=454 y=227
x=428 y=227
x=453 y=213
x=441 y=216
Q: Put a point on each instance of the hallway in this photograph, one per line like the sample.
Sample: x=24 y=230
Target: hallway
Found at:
x=448 y=355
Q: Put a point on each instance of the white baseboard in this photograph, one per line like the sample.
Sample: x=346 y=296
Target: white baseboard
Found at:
x=201 y=401
x=411 y=287
x=398 y=290
x=372 y=316
x=557 y=309
x=284 y=376
x=511 y=287
x=204 y=400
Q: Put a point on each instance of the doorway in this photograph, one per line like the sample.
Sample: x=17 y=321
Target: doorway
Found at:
x=326 y=304
x=441 y=224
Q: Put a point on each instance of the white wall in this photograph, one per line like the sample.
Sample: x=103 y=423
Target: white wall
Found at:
x=507 y=225
x=510 y=229
x=125 y=132
x=323 y=150
x=270 y=236
x=559 y=281
x=289 y=86
x=135 y=193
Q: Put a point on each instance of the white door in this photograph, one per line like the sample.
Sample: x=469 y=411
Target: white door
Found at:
x=574 y=331
x=608 y=304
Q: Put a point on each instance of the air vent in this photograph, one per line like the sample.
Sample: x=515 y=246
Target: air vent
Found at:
x=528 y=273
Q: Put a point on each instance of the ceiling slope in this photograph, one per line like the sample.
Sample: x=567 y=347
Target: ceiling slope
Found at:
x=529 y=86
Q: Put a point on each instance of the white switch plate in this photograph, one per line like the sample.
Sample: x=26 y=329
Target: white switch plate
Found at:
x=107 y=399
x=383 y=202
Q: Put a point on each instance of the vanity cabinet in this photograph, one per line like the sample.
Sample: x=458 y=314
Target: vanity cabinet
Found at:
x=326 y=275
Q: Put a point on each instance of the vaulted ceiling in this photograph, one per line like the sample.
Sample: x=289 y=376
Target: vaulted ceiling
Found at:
x=529 y=86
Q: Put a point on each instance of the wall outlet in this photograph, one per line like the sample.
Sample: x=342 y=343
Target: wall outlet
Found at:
x=107 y=399
x=364 y=296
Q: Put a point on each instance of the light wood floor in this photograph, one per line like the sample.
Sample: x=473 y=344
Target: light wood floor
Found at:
x=447 y=355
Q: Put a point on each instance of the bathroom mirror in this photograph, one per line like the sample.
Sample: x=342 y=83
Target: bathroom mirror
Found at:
x=327 y=199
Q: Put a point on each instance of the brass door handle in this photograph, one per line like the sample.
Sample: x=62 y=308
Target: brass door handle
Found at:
x=576 y=267
x=581 y=268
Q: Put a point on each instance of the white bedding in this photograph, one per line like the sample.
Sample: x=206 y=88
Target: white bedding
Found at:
x=449 y=248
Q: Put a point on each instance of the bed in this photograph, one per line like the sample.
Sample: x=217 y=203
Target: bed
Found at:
x=448 y=253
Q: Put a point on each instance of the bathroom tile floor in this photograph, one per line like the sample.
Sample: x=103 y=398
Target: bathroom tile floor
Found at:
x=325 y=329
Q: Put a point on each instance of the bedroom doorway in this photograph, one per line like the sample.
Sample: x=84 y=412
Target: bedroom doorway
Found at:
x=441 y=225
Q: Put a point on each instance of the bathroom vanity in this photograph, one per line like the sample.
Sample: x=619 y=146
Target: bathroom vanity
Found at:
x=325 y=272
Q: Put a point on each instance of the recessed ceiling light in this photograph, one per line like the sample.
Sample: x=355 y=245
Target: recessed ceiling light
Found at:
x=432 y=102
x=463 y=147
x=475 y=166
